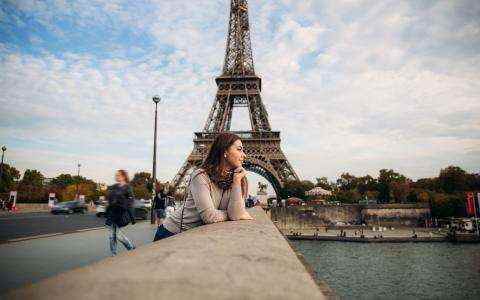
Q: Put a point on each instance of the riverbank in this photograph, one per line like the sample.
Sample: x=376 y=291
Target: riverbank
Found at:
x=400 y=235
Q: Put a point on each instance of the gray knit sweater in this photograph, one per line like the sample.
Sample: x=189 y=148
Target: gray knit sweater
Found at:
x=206 y=203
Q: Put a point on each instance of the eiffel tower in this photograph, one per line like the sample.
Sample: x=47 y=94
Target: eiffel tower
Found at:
x=238 y=86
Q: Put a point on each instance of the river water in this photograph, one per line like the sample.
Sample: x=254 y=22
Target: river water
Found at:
x=396 y=270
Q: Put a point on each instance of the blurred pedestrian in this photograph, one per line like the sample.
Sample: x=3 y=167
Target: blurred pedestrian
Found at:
x=159 y=204
x=119 y=212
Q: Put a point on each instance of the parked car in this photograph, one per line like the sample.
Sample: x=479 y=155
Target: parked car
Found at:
x=69 y=207
x=141 y=211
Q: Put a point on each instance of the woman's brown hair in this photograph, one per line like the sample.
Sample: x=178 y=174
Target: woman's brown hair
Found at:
x=212 y=164
x=124 y=174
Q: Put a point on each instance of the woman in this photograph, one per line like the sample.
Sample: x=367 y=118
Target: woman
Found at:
x=216 y=191
x=119 y=204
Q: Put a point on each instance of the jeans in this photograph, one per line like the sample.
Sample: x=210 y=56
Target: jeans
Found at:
x=117 y=233
x=162 y=233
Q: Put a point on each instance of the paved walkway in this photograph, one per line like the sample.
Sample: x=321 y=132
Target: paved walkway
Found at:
x=397 y=232
x=28 y=261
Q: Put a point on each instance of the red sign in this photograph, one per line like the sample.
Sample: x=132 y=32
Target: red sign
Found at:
x=470 y=204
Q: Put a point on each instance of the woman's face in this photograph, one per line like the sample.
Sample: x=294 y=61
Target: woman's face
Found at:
x=235 y=155
x=118 y=177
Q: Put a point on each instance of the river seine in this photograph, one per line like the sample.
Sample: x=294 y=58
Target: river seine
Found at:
x=396 y=270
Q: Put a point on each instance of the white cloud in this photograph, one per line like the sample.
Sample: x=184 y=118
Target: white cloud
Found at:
x=352 y=86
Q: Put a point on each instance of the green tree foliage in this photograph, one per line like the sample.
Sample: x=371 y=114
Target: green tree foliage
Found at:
x=350 y=196
x=139 y=185
x=452 y=179
x=10 y=176
x=140 y=178
x=323 y=183
x=63 y=180
x=30 y=188
x=32 y=178
x=347 y=182
x=448 y=205
x=366 y=183
x=384 y=179
x=296 y=188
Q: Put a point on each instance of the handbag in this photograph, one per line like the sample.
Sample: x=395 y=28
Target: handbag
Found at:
x=122 y=217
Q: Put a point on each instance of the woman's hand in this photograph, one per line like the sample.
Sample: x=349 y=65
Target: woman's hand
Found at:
x=238 y=174
x=246 y=216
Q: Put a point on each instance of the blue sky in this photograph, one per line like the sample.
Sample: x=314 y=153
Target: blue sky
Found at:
x=352 y=85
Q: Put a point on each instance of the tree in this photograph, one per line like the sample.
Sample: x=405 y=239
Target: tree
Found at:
x=295 y=188
x=139 y=185
x=140 y=178
x=63 y=180
x=452 y=179
x=384 y=179
x=350 y=196
x=366 y=183
x=10 y=176
x=30 y=188
x=347 y=182
x=87 y=189
x=473 y=182
x=323 y=183
x=425 y=184
x=399 y=190
x=32 y=178
x=445 y=206
x=423 y=197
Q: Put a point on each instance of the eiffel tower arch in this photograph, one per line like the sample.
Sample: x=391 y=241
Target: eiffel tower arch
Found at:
x=239 y=86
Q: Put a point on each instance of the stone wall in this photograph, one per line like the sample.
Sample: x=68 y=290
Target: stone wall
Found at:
x=407 y=214
x=247 y=259
x=303 y=217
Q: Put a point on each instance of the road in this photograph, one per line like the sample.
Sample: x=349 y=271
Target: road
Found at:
x=14 y=227
x=30 y=260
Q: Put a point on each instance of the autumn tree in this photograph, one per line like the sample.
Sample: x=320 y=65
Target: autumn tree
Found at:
x=384 y=179
x=10 y=176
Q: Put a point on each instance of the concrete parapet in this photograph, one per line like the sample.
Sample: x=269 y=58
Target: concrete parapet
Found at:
x=229 y=260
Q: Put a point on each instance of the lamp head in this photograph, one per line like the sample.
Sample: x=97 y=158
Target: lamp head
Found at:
x=156 y=99
x=4 y=148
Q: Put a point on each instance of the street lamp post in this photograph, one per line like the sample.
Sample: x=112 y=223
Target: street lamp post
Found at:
x=156 y=100
x=78 y=178
x=1 y=166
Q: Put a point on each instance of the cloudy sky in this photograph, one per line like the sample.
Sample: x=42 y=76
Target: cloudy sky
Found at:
x=352 y=85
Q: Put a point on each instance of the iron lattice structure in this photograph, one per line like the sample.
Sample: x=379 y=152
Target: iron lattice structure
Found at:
x=238 y=86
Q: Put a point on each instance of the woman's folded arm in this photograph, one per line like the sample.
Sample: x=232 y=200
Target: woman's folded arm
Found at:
x=203 y=201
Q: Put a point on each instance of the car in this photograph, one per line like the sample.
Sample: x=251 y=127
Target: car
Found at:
x=69 y=207
x=140 y=209
x=147 y=202
x=100 y=209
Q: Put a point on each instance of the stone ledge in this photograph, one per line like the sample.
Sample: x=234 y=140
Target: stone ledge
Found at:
x=228 y=260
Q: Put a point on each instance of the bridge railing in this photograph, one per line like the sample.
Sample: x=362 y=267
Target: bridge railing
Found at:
x=229 y=260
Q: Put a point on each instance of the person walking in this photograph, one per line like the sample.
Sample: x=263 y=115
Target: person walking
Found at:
x=216 y=191
x=119 y=213
x=159 y=204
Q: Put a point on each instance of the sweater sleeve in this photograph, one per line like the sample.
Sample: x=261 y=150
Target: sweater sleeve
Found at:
x=236 y=204
x=203 y=201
